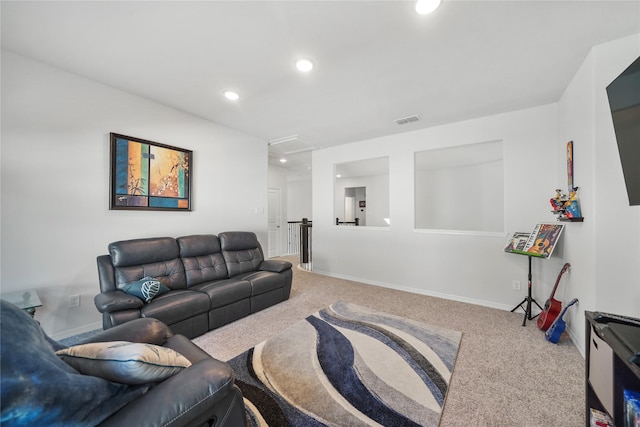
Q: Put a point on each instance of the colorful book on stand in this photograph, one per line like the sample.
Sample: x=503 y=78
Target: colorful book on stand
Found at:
x=539 y=243
x=517 y=241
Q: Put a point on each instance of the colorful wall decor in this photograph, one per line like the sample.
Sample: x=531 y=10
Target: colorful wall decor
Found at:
x=147 y=175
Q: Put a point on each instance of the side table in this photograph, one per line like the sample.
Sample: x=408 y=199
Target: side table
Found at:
x=27 y=300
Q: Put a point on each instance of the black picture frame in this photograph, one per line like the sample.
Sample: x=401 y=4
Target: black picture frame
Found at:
x=149 y=176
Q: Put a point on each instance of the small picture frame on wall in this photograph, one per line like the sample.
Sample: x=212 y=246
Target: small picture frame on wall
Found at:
x=147 y=175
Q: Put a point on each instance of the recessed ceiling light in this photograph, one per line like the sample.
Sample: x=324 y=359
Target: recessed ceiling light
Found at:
x=424 y=7
x=233 y=96
x=338 y=176
x=304 y=64
x=283 y=160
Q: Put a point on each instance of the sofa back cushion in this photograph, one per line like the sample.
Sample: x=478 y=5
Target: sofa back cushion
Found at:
x=202 y=258
x=241 y=251
x=157 y=257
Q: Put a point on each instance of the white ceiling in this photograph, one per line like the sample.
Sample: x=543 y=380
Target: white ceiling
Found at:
x=377 y=61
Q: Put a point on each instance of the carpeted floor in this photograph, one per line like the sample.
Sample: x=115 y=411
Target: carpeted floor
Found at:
x=505 y=374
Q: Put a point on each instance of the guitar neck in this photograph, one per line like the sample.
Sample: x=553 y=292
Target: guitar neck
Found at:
x=565 y=267
x=573 y=301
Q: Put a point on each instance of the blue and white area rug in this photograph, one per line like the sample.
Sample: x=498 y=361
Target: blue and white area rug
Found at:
x=348 y=366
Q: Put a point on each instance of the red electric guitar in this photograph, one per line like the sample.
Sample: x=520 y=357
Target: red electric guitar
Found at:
x=552 y=307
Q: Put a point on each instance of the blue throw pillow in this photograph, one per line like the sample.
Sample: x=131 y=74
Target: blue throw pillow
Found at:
x=39 y=389
x=146 y=288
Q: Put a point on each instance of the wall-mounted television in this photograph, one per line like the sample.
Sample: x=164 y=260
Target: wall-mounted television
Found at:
x=624 y=101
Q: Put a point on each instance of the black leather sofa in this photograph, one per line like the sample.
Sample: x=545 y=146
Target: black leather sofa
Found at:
x=39 y=388
x=212 y=280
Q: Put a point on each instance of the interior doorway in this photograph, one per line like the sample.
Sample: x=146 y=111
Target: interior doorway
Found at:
x=274 y=223
x=355 y=204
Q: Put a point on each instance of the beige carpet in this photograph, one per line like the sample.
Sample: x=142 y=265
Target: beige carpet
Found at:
x=505 y=374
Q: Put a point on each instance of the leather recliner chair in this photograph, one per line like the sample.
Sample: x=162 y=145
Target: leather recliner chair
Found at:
x=38 y=388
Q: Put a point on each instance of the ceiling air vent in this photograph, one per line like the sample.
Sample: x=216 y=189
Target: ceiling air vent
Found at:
x=405 y=120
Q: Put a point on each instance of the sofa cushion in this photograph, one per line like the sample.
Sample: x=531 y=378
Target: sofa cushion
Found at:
x=169 y=272
x=143 y=251
x=241 y=251
x=146 y=288
x=202 y=258
x=225 y=292
x=40 y=389
x=125 y=362
x=198 y=244
x=263 y=281
x=157 y=257
x=238 y=240
x=176 y=306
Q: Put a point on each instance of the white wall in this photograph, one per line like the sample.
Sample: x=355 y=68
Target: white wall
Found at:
x=461 y=198
x=464 y=266
x=55 y=181
x=299 y=200
x=604 y=250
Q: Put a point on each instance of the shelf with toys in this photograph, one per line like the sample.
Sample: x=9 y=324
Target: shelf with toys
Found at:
x=566 y=206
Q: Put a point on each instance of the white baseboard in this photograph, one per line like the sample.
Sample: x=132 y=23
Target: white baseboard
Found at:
x=577 y=342
x=76 y=331
x=458 y=298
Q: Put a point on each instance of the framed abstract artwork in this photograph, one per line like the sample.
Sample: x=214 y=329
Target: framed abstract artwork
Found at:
x=146 y=175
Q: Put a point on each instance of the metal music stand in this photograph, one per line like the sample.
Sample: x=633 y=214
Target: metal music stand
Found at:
x=526 y=302
x=540 y=244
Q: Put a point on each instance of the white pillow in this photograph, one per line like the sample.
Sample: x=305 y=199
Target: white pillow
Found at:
x=125 y=362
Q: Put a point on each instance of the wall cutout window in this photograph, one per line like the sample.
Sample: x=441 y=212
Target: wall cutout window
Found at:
x=460 y=188
x=361 y=193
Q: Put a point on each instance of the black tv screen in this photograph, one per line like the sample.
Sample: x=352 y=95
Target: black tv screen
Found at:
x=624 y=101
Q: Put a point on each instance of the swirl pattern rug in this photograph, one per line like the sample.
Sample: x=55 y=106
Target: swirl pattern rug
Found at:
x=348 y=365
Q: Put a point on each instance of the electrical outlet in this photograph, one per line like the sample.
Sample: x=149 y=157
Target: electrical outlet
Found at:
x=74 y=300
x=515 y=285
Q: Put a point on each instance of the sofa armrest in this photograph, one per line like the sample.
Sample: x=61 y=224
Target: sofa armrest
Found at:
x=108 y=302
x=187 y=348
x=143 y=330
x=179 y=400
x=275 y=265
